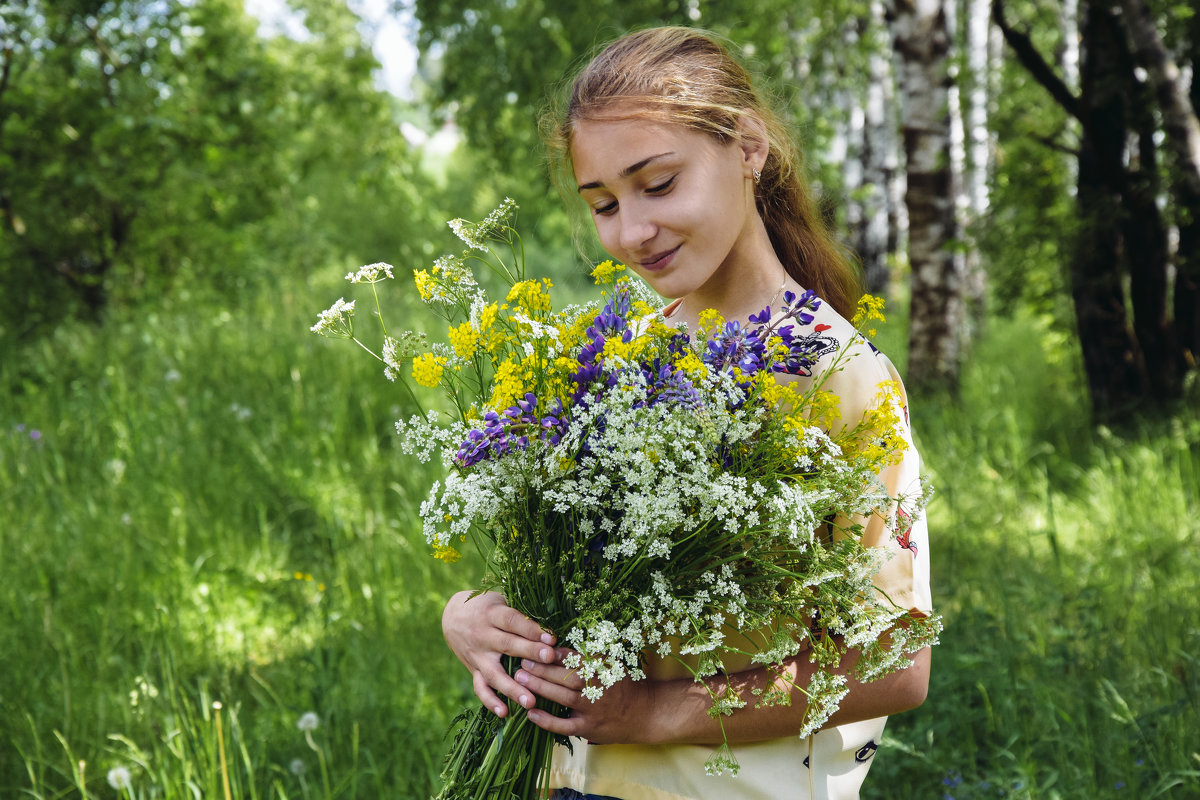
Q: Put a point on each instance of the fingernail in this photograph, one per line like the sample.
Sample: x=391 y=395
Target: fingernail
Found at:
x=547 y=656
x=524 y=700
x=547 y=639
x=526 y=663
x=522 y=677
x=499 y=711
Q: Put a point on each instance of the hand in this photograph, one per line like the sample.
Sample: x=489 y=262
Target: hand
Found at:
x=479 y=631
x=624 y=714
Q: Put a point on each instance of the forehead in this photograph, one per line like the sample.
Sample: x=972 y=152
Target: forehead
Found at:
x=602 y=149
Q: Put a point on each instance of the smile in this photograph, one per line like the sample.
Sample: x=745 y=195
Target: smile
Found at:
x=661 y=260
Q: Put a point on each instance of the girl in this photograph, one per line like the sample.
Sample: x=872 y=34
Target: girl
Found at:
x=693 y=183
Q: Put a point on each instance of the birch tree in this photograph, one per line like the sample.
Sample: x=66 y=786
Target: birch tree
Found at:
x=1182 y=138
x=923 y=43
x=1134 y=353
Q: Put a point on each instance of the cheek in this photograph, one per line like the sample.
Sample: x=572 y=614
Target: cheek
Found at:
x=607 y=232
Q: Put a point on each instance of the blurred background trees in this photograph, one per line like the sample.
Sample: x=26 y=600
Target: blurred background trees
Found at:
x=146 y=146
x=955 y=143
x=204 y=501
x=980 y=157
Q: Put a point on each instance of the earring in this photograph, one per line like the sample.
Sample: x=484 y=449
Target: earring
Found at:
x=757 y=177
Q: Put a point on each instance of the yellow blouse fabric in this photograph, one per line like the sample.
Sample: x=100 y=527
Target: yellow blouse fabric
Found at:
x=832 y=763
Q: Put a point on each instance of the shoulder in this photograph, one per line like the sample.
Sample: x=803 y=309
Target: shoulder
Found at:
x=843 y=361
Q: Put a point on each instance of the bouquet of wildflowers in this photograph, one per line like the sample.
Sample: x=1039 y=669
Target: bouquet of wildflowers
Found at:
x=643 y=492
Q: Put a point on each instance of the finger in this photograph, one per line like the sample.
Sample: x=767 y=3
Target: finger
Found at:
x=513 y=621
x=560 y=675
x=521 y=647
x=504 y=684
x=489 y=698
x=555 y=692
x=569 y=726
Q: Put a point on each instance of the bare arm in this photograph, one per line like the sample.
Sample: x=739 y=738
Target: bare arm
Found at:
x=676 y=711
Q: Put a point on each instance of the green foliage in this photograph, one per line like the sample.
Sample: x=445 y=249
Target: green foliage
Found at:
x=147 y=143
x=497 y=66
x=1026 y=237
x=214 y=508
x=1062 y=560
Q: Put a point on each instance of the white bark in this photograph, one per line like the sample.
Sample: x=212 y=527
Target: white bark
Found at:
x=1069 y=59
x=878 y=159
x=978 y=30
x=1180 y=125
x=937 y=318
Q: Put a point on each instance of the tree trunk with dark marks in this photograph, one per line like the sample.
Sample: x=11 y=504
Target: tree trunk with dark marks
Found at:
x=936 y=323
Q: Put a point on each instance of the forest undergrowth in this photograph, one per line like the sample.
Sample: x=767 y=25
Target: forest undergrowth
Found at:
x=214 y=584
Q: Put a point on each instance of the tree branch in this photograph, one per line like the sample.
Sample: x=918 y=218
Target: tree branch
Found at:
x=1033 y=61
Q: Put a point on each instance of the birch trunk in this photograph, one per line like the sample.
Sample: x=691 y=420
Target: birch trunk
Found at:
x=1182 y=138
x=937 y=311
x=1178 y=117
x=979 y=51
x=874 y=232
x=978 y=146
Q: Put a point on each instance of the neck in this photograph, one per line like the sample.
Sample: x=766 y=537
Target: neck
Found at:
x=750 y=279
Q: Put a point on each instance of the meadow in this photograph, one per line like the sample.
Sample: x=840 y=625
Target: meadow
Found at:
x=210 y=532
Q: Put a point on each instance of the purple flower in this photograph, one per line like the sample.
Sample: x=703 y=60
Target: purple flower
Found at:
x=511 y=430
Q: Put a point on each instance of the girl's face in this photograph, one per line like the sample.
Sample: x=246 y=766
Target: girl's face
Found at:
x=673 y=204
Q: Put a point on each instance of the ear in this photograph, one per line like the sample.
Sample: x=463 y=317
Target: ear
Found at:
x=753 y=141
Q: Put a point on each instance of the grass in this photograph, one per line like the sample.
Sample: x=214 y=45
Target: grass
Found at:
x=214 y=510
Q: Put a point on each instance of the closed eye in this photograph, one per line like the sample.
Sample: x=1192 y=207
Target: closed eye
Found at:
x=662 y=187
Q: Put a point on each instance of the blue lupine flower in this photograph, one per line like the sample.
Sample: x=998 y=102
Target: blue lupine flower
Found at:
x=511 y=430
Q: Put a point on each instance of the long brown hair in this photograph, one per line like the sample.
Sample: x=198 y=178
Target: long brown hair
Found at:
x=689 y=77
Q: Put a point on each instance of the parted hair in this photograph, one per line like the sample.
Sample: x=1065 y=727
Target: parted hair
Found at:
x=689 y=77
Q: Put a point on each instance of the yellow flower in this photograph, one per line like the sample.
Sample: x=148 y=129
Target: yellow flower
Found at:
x=506 y=385
x=825 y=409
x=615 y=348
x=777 y=395
x=870 y=308
x=531 y=295
x=710 y=320
x=447 y=554
x=424 y=282
x=691 y=365
x=606 y=270
x=463 y=339
x=427 y=369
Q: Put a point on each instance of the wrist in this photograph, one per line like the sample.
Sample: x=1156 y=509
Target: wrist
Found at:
x=666 y=711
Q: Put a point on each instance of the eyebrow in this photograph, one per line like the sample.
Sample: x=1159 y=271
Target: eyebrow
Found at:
x=625 y=173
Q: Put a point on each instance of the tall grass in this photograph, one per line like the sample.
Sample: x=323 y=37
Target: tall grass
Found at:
x=205 y=505
x=1065 y=561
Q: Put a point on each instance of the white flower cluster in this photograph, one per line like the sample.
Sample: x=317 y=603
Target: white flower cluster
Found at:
x=397 y=350
x=336 y=320
x=825 y=692
x=452 y=284
x=422 y=436
x=371 y=273
x=475 y=234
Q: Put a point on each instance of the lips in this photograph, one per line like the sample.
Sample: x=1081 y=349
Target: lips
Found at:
x=660 y=260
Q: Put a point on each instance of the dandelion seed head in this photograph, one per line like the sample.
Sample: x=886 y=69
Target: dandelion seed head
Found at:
x=120 y=779
x=308 y=721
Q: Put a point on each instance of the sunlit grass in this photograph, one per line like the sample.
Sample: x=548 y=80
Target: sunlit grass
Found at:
x=213 y=510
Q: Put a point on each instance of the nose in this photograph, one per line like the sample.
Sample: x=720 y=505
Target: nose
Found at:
x=636 y=229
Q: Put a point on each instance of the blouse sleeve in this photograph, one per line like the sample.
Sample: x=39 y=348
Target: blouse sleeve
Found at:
x=856 y=379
